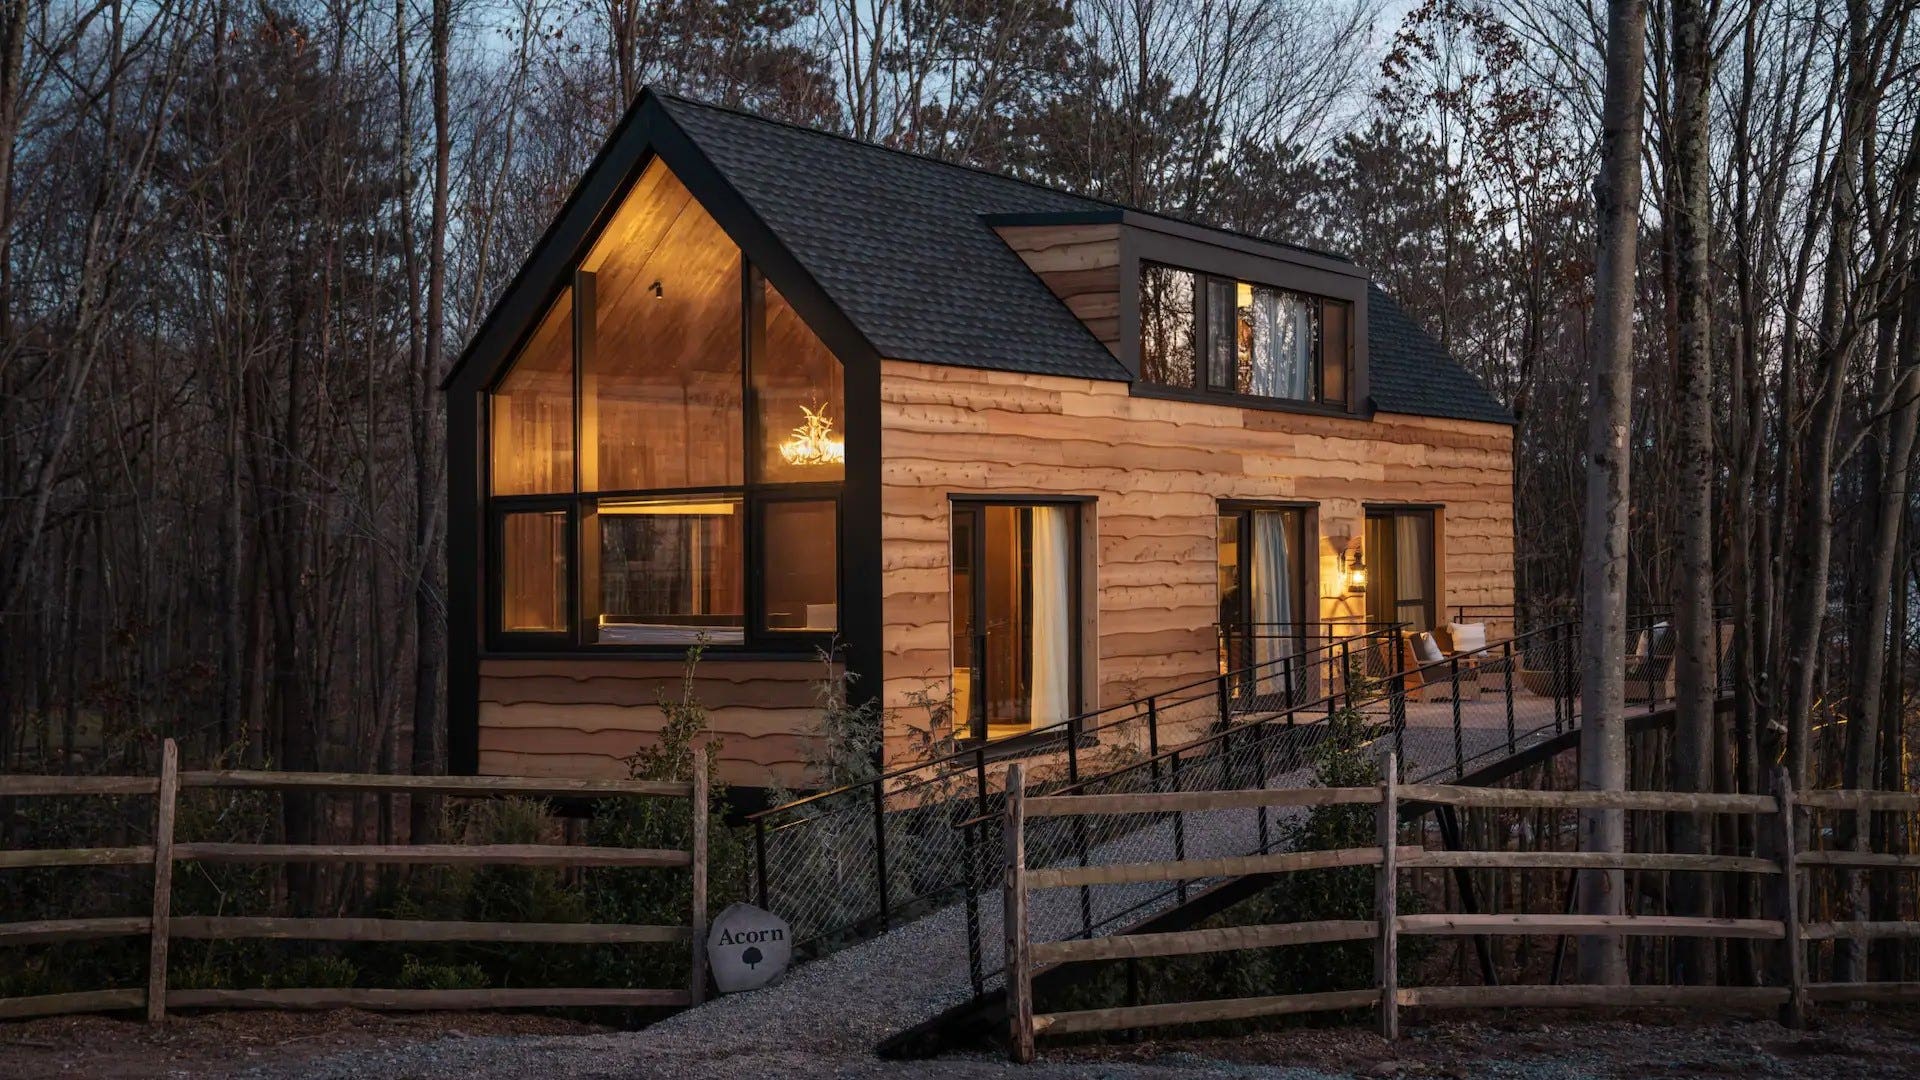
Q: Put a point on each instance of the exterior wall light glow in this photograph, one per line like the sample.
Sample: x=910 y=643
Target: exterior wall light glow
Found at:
x=1357 y=574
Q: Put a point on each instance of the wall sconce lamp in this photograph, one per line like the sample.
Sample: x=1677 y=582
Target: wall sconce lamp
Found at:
x=1357 y=574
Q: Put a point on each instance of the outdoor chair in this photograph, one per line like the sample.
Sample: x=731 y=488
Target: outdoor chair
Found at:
x=1433 y=675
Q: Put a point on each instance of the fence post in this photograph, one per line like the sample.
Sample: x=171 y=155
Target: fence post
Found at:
x=1019 y=974
x=1225 y=715
x=1153 y=727
x=1386 y=903
x=697 y=984
x=1794 y=1013
x=159 y=930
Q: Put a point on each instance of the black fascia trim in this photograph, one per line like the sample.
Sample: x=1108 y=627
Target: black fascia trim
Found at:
x=1331 y=262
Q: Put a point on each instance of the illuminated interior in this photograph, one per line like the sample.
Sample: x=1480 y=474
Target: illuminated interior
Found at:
x=647 y=361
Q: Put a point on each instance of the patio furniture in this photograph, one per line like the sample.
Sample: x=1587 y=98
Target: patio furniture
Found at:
x=1433 y=674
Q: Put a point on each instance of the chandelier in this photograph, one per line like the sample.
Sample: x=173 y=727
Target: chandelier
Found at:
x=813 y=442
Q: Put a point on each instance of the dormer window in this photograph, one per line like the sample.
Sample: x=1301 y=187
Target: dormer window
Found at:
x=1223 y=336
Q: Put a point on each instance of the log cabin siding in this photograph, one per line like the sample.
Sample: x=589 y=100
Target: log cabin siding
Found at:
x=581 y=718
x=1080 y=264
x=1158 y=469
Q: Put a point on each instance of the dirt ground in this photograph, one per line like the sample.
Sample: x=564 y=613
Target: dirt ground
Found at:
x=1517 y=1046
x=224 y=1042
x=1625 y=1045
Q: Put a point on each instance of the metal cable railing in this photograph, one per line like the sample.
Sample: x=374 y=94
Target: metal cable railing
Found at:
x=1443 y=720
x=858 y=859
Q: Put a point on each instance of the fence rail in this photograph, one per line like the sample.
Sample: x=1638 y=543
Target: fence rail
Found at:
x=161 y=927
x=862 y=857
x=1784 y=810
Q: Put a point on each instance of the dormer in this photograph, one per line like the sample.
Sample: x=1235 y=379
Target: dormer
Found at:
x=1205 y=314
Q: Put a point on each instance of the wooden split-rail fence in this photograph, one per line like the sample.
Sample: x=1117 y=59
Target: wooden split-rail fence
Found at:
x=161 y=927
x=1025 y=957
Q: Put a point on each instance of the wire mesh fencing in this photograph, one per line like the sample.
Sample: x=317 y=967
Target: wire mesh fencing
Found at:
x=843 y=864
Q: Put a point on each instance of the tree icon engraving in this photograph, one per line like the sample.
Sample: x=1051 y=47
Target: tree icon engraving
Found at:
x=751 y=957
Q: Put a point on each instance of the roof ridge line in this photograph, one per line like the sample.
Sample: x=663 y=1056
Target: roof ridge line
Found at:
x=915 y=155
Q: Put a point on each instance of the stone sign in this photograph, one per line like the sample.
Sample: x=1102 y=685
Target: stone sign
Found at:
x=747 y=948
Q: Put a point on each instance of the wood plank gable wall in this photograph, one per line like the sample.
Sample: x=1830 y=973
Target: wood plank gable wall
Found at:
x=1158 y=470
x=1081 y=265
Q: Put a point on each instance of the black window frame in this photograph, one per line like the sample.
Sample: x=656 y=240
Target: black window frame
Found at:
x=1204 y=388
x=752 y=492
x=969 y=731
x=1378 y=565
x=1244 y=509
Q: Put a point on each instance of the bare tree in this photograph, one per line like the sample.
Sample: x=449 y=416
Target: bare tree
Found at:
x=1697 y=644
x=1603 y=559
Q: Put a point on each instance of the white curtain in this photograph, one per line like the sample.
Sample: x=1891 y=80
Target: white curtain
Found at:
x=1410 y=570
x=1282 y=344
x=1052 y=615
x=1272 y=608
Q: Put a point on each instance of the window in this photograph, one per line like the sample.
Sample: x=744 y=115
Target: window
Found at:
x=797 y=389
x=532 y=414
x=1258 y=341
x=670 y=423
x=1260 y=555
x=533 y=571
x=1167 y=331
x=1400 y=568
x=669 y=570
x=1015 y=589
x=800 y=565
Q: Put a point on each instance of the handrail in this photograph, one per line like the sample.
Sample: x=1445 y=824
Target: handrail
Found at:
x=1076 y=724
x=1189 y=748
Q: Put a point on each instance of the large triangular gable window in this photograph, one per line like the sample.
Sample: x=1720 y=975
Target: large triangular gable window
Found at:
x=666 y=449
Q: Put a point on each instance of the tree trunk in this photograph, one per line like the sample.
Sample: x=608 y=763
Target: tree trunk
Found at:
x=1603 y=556
x=1696 y=656
x=429 y=720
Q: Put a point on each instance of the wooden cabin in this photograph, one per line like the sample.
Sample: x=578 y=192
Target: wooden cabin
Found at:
x=1030 y=453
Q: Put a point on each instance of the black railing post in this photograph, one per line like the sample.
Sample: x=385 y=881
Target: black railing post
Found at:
x=980 y=776
x=1260 y=766
x=1222 y=695
x=1397 y=715
x=976 y=964
x=760 y=861
x=1179 y=826
x=880 y=852
x=1506 y=664
x=1153 y=730
x=1459 y=749
x=1346 y=673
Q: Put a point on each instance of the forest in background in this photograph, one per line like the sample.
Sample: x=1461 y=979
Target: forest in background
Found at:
x=243 y=242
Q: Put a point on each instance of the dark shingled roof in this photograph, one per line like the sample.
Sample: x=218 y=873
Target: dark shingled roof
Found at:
x=900 y=244
x=1411 y=373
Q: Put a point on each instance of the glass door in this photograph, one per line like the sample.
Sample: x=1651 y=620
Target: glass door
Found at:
x=1015 y=580
x=1263 y=624
x=1399 y=555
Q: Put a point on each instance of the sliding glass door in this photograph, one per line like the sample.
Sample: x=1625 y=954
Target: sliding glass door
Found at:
x=1263 y=624
x=1015 y=586
x=1399 y=554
